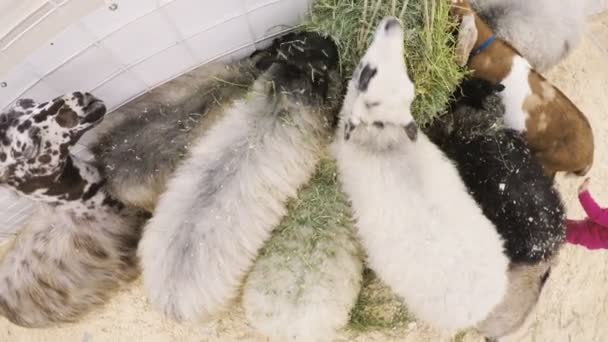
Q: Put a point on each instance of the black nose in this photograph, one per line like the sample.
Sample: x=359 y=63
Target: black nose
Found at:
x=391 y=24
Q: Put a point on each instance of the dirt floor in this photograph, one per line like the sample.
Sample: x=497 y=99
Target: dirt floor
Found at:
x=573 y=307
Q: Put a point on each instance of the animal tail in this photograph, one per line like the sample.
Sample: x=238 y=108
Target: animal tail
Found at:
x=307 y=278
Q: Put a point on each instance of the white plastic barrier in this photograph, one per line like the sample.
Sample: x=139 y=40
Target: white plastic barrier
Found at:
x=119 y=49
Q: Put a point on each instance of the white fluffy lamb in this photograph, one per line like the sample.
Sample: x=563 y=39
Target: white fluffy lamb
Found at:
x=425 y=236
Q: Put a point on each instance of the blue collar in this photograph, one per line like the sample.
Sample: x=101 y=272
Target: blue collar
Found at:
x=483 y=46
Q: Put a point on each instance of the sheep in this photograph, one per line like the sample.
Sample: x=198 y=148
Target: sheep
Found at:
x=508 y=183
x=424 y=234
x=223 y=201
x=556 y=130
x=543 y=32
x=307 y=278
x=80 y=245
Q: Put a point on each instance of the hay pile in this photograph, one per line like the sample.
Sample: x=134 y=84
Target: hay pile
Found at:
x=429 y=43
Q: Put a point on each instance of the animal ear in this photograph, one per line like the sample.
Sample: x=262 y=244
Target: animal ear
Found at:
x=467 y=36
x=412 y=131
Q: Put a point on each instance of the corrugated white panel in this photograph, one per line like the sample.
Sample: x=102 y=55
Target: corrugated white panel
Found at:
x=29 y=24
x=125 y=47
x=62 y=48
x=17 y=16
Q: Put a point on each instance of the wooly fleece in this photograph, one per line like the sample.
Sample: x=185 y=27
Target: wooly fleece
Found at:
x=510 y=186
x=543 y=31
x=502 y=174
x=308 y=276
x=59 y=268
x=224 y=200
x=424 y=234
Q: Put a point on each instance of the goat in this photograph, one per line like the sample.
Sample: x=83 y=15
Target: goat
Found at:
x=556 y=130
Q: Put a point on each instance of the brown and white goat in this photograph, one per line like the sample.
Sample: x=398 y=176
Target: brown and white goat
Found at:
x=557 y=131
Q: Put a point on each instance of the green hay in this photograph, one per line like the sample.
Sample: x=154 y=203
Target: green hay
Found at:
x=378 y=308
x=320 y=204
x=317 y=232
x=429 y=43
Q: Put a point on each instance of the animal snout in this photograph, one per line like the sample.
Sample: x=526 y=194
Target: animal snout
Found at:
x=584 y=171
x=388 y=41
x=390 y=27
x=93 y=108
x=391 y=24
x=84 y=99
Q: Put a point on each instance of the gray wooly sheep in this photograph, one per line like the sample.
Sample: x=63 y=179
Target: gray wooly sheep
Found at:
x=543 y=31
x=231 y=190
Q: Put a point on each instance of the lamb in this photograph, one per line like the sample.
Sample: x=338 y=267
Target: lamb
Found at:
x=224 y=200
x=424 y=234
x=80 y=245
x=509 y=184
x=543 y=32
x=556 y=130
x=307 y=278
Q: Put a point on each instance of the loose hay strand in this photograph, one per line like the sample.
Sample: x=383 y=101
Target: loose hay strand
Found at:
x=429 y=43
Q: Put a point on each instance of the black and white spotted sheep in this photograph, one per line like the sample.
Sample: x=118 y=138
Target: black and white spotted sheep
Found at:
x=80 y=245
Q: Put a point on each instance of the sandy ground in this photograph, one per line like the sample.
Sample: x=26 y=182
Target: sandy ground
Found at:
x=573 y=307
